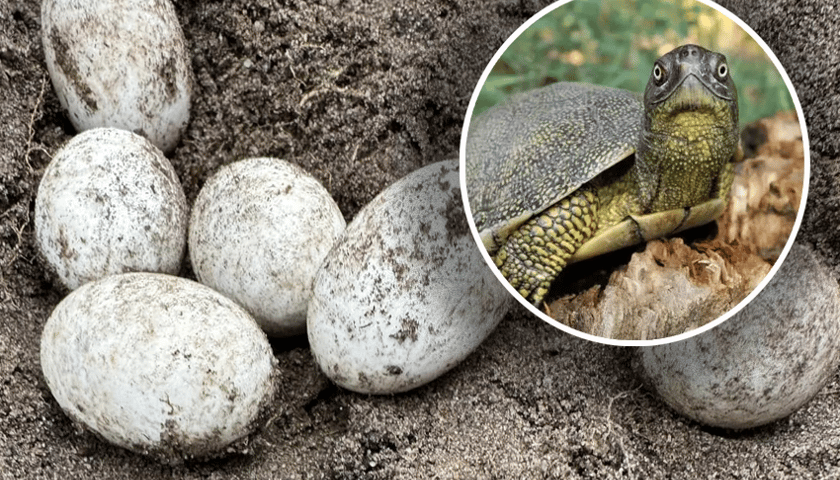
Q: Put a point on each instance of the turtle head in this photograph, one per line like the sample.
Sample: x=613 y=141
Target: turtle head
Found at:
x=691 y=78
x=690 y=127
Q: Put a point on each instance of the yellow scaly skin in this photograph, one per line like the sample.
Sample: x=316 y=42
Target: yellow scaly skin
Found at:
x=538 y=251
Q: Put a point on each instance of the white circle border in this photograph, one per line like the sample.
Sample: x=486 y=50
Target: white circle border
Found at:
x=659 y=341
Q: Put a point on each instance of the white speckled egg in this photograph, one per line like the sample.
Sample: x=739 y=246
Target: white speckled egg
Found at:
x=763 y=363
x=259 y=230
x=110 y=202
x=404 y=295
x=159 y=365
x=119 y=63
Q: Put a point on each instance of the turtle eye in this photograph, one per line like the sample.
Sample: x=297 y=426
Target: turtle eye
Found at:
x=722 y=70
x=658 y=74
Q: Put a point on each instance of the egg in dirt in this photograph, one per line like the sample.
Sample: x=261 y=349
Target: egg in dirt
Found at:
x=762 y=364
x=259 y=230
x=119 y=63
x=110 y=202
x=159 y=365
x=404 y=295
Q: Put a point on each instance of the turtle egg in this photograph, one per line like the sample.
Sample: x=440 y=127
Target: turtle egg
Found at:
x=259 y=230
x=110 y=202
x=404 y=295
x=158 y=364
x=119 y=63
x=763 y=363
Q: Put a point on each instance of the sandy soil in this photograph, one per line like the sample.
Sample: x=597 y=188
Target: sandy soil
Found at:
x=360 y=93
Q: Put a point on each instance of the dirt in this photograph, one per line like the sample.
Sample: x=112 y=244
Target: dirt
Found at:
x=359 y=94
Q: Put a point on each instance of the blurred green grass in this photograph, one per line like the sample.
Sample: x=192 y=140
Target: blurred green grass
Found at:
x=614 y=43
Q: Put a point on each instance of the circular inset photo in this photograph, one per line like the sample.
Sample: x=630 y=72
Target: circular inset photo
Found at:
x=634 y=171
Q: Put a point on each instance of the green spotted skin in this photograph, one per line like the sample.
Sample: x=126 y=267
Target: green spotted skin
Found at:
x=553 y=168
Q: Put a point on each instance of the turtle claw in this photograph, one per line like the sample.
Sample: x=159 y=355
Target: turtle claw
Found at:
x=537 y=296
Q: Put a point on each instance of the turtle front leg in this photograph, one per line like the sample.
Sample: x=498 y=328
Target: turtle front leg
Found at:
x=538 y=251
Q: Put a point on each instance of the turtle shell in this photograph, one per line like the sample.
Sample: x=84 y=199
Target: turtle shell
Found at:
x=539 y=146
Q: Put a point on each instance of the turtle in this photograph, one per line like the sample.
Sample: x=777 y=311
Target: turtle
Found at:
x=570 y=171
